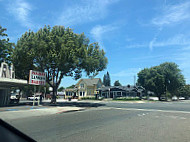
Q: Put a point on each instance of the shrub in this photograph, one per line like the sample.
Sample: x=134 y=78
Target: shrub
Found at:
x=100 y=98
x=88 y=98
x=127 y=99
x=91 y=98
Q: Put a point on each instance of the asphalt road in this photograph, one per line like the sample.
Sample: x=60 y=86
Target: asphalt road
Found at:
x=173 y=106
x=113 y=122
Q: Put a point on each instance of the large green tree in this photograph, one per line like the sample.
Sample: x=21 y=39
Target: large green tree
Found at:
x=184 y=91
x=5 y=46
x=59 y=52
x=162 y=78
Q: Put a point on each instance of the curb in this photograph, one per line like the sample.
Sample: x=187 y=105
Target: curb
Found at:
x=69 y=111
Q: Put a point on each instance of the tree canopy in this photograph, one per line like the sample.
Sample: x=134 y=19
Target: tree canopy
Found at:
x=106 y=79
x=72 y=86
x=5 y=46
x=160 y=79
x=117 y=83
x=61 y=89
x=184 y=91
x=59 y=52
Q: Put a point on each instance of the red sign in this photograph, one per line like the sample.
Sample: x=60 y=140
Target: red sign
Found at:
x=37 y=78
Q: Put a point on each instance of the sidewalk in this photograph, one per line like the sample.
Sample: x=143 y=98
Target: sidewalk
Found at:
x=36 y=111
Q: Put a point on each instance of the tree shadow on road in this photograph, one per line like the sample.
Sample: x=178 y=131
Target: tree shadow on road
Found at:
x=75 y=104
x=61 y=104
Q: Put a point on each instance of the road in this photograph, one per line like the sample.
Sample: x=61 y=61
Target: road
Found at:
x=113 y=122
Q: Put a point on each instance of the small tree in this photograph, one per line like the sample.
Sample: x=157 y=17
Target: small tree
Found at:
x=106 y=79
x=117 y=83
x=72 y=86
x=61 y=89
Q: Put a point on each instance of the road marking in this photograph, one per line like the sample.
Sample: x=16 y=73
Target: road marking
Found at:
x=158 y=110
x=176 y=117
x=142 y=114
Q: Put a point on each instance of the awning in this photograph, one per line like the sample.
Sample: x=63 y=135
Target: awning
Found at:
x=8 y=82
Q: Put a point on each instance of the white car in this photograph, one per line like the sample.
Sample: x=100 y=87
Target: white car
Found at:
x=14 y=98
x=181 y=98
x=174 y=98
x=34 y=98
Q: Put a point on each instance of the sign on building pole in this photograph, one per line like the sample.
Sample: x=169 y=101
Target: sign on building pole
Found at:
x=37 y=78
x=34 y=95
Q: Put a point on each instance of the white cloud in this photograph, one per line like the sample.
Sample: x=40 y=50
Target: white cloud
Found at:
x=177 y=40
x=21 y=10
x=128 y=39
x=86 y=11
x=98 y=32
x=151 y=44
x=127 y=73
x=149 y=58
x=170 y=15
x=182 y=58
x=140 y=45
x=173 y=14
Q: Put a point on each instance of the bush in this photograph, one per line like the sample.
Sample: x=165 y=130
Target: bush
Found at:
x=127 y=99
x=88 y=98
x=100 y=98
x=91 y=98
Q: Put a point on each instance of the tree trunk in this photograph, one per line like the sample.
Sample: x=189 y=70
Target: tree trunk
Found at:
x=159 y=97
x=55 y=85
x=53 y=100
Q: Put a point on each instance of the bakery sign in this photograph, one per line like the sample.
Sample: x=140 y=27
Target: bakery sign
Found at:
x=37 y=78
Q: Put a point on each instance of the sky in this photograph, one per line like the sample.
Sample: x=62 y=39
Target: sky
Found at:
x=135 y=34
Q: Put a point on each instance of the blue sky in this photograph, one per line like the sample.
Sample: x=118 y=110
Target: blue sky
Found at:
x=134 y=33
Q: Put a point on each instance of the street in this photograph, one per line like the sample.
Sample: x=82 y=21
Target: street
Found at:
x=113 y=122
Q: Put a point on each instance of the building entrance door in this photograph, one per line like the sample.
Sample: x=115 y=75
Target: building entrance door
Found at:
x=111 y=94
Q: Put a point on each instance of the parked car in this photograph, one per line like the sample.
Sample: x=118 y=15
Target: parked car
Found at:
x=163 y=98
x=181 y=98
x=153 y=98
x=174 y=98
x=14 y=98
x=36 y=97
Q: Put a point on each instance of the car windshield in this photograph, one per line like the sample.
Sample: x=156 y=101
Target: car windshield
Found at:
x=95 y=70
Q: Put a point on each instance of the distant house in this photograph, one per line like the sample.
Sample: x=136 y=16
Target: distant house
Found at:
x=121 y=91
x=84 y=88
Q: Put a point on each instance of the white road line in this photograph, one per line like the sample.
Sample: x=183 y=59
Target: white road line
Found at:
x=156 y=110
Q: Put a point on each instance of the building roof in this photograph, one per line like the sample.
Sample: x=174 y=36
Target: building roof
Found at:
x=8 y=82
x=71 y=90
x=89 y=82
